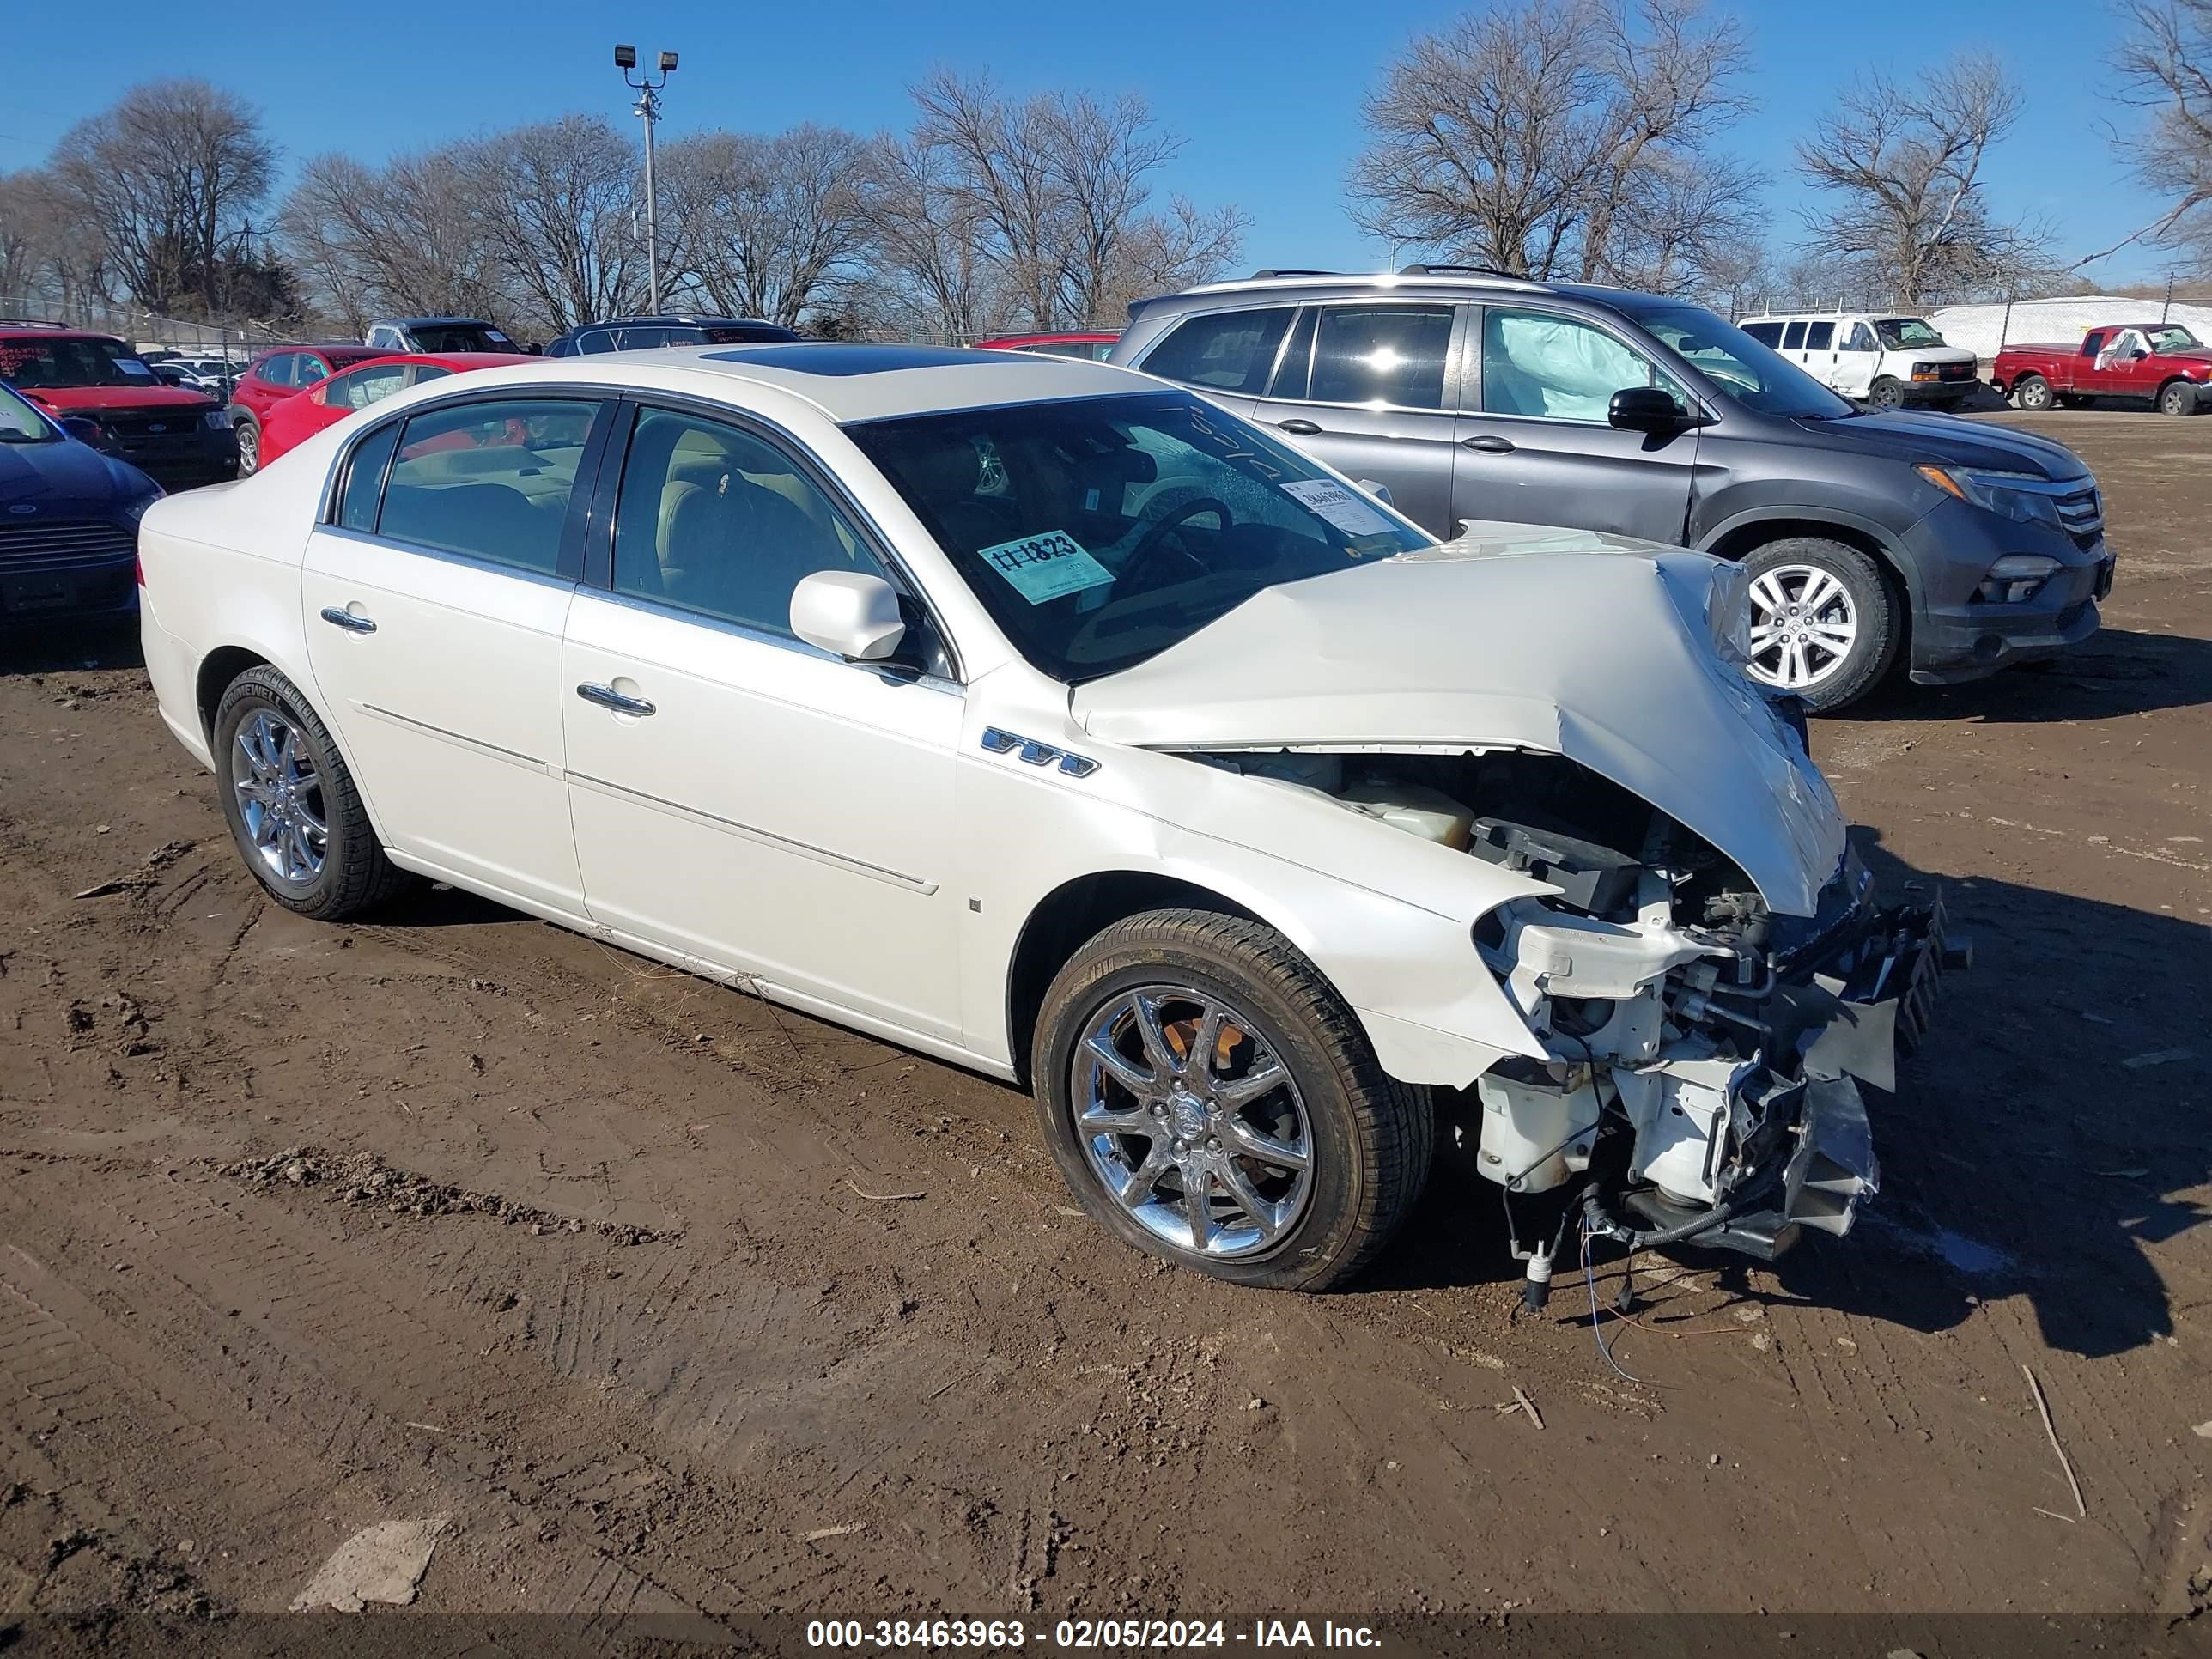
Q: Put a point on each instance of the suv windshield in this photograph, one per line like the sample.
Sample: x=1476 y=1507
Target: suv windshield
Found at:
x=459 y=336
x=1098 y=531
x=73 y=362
x=19 y=423
x=2172 y=337
x=1737 y=365
x=1904 y=333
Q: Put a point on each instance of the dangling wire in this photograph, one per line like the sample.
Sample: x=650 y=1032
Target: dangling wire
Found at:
x=1597 y=1330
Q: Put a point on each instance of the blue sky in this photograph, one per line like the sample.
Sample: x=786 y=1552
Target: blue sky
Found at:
x=1266 y=94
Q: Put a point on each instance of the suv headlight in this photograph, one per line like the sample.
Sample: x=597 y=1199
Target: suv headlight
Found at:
x=1999 y=492
x=217 y=419
x=2015 y=578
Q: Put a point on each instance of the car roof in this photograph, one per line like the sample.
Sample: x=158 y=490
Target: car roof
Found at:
x=845 y=383
x=410 y=322
x=47 y=331
x=449 y=359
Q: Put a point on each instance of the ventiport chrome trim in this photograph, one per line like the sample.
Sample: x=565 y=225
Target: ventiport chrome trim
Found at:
x=999 y=742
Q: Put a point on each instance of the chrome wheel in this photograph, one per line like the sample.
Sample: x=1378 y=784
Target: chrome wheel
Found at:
x=280 y=796
x=1803 y=624
x=2035 y=394
x=1191 y=1123
x=249 y=448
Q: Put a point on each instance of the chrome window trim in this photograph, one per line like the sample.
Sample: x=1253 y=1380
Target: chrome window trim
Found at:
x=446 y=555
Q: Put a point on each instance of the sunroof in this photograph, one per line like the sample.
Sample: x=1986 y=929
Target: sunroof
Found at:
x=826 y=358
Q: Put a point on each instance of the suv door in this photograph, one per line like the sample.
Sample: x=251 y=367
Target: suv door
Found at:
x=1365 y=385
x=435 y=595
x=1534 y=436
x=740 y=797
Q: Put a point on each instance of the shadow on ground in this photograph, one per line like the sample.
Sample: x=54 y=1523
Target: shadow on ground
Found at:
x=62 y=645
x=2115 y=672
x=2020 y=1157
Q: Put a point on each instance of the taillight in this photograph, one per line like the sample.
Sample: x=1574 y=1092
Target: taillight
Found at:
x=138 y=570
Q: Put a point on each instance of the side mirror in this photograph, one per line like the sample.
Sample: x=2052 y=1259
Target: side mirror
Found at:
x=88 y=431
x=847 y=613
x=168 y=376
x=1381 y=492
x=1646 y=408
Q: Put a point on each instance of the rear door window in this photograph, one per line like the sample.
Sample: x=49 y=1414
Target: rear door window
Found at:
x=1392 y=355
x=1818 y=336
x=1793 y=338
x=491 y=480
x=1223 y=350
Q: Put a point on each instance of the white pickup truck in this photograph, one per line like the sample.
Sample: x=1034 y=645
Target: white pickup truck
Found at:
x=1887 y=360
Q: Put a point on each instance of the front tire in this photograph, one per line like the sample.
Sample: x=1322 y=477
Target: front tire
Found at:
x=293 y=810
x=1212 y=1100
x=1885 y=393
x=2032 y=393
x=249 y=446
x=1823 y=624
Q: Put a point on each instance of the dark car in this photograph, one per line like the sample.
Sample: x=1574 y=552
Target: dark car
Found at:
x=1872 y=539
x=644 y=333
x=180 y=437
x=69 y=521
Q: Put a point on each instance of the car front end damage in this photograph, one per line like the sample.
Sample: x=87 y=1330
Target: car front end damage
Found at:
x=1705 y=1053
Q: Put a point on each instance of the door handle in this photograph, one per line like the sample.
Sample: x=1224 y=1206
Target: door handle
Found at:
x=607 y=697
x=346 y=620
x=1488 y=444
x=1297 y=427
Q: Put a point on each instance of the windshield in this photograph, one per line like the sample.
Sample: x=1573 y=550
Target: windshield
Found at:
x=1098 y=531
x=1737 y=365
x=73 y=362
x=459 y=336
x=2172 y=337
x=19 y=423
x=1904 y=333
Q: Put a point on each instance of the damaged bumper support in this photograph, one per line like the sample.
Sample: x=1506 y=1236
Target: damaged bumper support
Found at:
x=1705 y=1087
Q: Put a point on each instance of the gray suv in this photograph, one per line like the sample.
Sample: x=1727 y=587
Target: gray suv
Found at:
x=1957 y=547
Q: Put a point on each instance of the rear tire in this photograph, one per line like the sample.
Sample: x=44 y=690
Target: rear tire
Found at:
x=290 y=802
x=1826 y=621
x=1143 y=1145
x=249 y=446
x=2177 y=397
x=2032 y=393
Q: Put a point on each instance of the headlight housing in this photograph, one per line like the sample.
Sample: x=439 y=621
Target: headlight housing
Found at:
x=216 y=420
x=2023 y=497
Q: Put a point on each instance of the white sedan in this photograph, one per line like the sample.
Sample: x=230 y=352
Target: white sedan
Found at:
x=1038 y=716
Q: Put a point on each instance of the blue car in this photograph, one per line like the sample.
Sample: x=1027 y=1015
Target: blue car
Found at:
x=69 y=522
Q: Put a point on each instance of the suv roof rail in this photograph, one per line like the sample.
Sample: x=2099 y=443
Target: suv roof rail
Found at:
x=1463 y=270
x=1288 y=270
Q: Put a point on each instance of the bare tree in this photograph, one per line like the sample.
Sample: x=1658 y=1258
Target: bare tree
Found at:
x=2164 y=62
x=1059 y=184
x=1562 y=137
x=765 y=226
x=557 y=206
x=929 y=246
x=169 y=178
x=1900 y=168
x=401 y=240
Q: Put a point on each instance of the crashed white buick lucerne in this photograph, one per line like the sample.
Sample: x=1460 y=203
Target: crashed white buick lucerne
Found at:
x=1039 y=716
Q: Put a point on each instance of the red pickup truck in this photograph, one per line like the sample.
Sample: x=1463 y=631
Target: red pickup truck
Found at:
x=2162 y=362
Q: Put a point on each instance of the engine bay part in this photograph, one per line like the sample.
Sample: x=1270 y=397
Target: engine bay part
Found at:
x=1705 y=1054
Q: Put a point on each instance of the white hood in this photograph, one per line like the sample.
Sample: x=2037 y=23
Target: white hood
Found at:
x=1598 y=647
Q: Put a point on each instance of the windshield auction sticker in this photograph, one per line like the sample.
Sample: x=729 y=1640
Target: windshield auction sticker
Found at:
x=1334 y=503
x=1046 y=568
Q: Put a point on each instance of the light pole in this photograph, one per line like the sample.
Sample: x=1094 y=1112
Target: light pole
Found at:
x=648 y=110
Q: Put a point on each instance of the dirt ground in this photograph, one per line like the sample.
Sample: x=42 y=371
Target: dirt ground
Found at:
x=670 y=1302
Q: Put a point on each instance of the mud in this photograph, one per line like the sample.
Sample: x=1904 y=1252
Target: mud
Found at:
x=596 y=1260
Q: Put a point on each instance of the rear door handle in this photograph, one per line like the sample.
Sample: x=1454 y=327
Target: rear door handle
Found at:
x=1299 y=428
x=346 y=620
x=607 y=697
x=1488 y=444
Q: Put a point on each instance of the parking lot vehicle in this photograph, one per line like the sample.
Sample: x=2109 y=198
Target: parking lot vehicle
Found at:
x=437 y=334
x=1884 y=361
x=1081 y=342
x=178 y=436
x=1871 y=539
x=1046 y=718
x=647 y=333
x=276 y=375
x=2161 y=361
x=69 y=521
x=331 y=400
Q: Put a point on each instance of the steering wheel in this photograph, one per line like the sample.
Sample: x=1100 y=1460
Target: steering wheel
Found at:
x=1150 y=544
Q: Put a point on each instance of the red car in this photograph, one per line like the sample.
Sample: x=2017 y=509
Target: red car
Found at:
x=179 y=438
x=2162 y=362
x=1082 y=342
x=278 y=373
x=299 y=417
